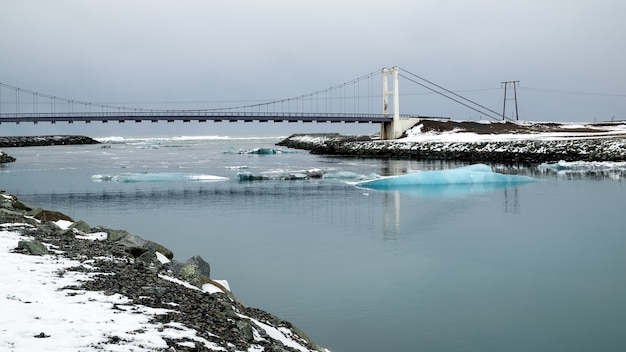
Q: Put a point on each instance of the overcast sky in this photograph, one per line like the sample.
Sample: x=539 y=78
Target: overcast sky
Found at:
x=569 y=55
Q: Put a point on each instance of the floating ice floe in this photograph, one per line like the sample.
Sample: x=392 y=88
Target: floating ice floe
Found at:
x=156 y=177
x=249 y=176
x=348 y=176
x=583 y=165
x=468 y=179
x=314 y=173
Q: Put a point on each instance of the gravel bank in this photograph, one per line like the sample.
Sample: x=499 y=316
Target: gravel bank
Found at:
x=479 y=142
x=32 y=141
x=600 y=149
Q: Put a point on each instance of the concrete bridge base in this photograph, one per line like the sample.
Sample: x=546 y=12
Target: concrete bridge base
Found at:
x=395 y=128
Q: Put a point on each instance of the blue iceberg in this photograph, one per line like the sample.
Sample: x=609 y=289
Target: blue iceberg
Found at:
x=472 y=177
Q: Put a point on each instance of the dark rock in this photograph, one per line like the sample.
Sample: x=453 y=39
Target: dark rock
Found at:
x=4 y=158
x=11 y=216
x=155 y=290
x=149 y=257
x=32 y=247
x=203 y=266
x=161 y=249
x=132 y=244
x=192 y=274
x=30 y=141
x=81 y=226
x=196 y=271
x=50 y=215
x=67 y=234
x=245 y=329
x=136 y=245
x=49 y=228
x=21 y=206
x=113 y=235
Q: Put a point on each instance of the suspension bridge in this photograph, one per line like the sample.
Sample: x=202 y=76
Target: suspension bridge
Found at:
x=350 y=102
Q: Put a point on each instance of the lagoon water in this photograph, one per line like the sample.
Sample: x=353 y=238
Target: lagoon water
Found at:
x=534 y=267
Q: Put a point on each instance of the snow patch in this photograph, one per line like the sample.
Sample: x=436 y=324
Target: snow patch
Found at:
x=63 y=224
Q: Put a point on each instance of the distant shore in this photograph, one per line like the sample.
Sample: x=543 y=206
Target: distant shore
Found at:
x=37 y=141
x=598 y=149
x=478 y=142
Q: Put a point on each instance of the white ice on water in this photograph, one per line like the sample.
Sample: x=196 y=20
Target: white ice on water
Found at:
x=467 y=175
x=584 y=166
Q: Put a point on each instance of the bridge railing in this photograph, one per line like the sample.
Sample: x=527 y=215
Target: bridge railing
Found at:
x=198 y=115
x=181 y=113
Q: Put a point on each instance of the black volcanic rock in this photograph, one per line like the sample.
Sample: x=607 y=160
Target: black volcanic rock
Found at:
x=32 y=141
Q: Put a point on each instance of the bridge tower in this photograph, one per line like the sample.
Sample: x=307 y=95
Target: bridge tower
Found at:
x=395 y=128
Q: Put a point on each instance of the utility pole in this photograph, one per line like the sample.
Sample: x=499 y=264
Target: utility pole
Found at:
x=505 y=85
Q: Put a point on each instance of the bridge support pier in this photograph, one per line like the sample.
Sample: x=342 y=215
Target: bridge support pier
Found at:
x=395 y=128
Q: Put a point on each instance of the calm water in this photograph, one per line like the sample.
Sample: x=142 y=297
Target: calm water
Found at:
x=538 y=267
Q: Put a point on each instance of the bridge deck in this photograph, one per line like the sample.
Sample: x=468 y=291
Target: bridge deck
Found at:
x=199 y=116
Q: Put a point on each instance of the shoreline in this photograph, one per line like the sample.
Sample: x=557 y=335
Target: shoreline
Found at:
x=531 y=152
x=487 y=142
x=180 y=306
x=38 y=141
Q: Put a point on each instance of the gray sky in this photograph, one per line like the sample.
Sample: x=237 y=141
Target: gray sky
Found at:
x=568 y=55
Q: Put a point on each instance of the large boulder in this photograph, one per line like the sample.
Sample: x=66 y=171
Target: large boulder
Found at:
x=4 y=158
x=50 y=215
x=32 y=247
x=113 y=235
x=195 y=271
x=81 y=226
x=135 y=245
x=160 y=248
x=18 y=205
x=132 y=244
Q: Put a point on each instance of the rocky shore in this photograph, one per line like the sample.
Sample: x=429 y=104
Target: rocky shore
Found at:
x=35 y=141
x=605 y=149
x=498 y=142
x=145 y=274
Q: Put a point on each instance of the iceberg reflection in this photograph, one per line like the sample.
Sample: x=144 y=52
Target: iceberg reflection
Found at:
x=440 y=190
x=156 y=177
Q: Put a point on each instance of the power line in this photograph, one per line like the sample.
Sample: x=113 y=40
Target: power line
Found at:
x=574 y=92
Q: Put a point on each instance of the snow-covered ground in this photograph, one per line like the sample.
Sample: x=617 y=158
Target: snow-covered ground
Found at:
x=561 y=131
x=40 y=312
x=565 y=131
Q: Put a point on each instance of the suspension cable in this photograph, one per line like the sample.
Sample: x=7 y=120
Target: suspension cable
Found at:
x=453 y=93
x=453 y=99
x=303 y=96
